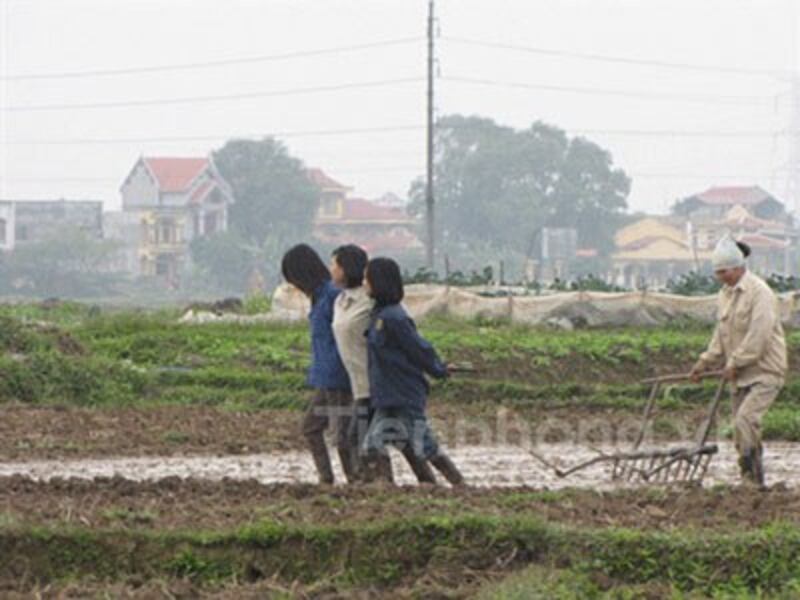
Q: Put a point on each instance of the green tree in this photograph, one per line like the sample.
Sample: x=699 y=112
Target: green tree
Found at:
x=228 y=260
x=71 y=264
x=275 y=204
x=274 y=196
x=497 y=186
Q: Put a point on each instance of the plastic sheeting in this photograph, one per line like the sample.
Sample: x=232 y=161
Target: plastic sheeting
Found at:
x=563 y=310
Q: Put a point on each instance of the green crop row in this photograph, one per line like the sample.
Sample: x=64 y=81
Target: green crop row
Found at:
x=382 y=553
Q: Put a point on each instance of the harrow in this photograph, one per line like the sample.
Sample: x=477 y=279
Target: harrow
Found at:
x=681 y=464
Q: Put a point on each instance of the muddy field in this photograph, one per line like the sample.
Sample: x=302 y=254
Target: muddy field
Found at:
x=53 y=432
x=142 y=459
x=176 y=503
x=483 y=466
x=67 y=432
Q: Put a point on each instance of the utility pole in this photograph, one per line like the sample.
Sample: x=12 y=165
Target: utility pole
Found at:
x=793 y=166
x=429 y=201
x=793 y=175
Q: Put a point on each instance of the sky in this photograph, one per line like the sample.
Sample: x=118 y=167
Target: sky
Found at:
x=685 y=94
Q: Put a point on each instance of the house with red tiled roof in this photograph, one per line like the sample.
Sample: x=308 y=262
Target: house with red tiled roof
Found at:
x=715 y=202
x=655 y=249
x=748 y=213
x=376 y=226
x=166 y=203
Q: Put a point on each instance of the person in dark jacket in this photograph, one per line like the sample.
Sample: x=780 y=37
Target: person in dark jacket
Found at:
x=399 y=358
x=332 y=401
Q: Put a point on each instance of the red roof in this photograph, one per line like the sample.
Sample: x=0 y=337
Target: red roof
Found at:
x=393 y=241
x=743 y=195
x=202 y=191
x=319 y=178
x=358 y=209
x=175 y=174
x=396 y=240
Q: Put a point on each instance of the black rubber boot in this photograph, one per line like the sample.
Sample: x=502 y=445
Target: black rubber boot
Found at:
x=752 y=467
x=419 y=465
x=758 y=467
x=349 y=460
x=376 y=466
x=319 y=452
x=746 y=465
x=448 y=469
x=383 y=468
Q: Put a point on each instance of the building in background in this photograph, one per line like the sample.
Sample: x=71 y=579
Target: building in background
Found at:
x=30 y=221
x=166 y=203
x=380 y=226
x=716 y=202
x=654 y=249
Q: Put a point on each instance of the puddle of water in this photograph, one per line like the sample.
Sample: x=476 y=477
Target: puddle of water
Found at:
x=485 y=466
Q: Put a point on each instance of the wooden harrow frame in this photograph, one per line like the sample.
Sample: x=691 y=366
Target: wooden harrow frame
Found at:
x=683 y=464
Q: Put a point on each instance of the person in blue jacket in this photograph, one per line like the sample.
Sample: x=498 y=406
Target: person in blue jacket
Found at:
x=399 y=358
x=332 y=400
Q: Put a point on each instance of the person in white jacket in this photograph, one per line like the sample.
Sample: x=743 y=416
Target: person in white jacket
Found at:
x=351 y=317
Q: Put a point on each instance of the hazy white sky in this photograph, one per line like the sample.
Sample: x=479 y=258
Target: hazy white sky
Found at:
x=738 y=119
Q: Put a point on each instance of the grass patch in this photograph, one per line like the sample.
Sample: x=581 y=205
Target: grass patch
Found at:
x=383 y=553
x=75 y=354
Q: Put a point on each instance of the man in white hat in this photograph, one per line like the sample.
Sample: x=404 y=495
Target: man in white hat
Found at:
x=749 y=341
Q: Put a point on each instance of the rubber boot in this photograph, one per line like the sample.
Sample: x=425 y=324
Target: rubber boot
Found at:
x=383 y=468
x=376 y=466
x=319 y=452
x=446 y=467
x=758 y=467
x=349 y=460
x=751 y=468
x=746 y=465
x=419 y=465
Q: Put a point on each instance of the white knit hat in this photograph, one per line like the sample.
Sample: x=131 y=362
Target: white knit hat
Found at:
x=727 y=255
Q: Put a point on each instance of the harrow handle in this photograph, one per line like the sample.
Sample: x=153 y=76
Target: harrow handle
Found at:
x=682 y=377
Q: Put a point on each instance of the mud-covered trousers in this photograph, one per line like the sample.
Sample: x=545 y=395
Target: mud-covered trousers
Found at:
x=330 y=408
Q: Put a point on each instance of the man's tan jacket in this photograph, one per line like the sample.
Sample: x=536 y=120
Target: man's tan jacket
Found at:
x=749 y=335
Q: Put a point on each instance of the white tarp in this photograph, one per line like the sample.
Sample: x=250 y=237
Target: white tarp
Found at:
x=567 y=309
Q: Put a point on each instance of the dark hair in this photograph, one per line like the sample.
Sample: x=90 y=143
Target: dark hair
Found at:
x=744 y=248
x=385 y=281
x=353 y=261
x=303 y=268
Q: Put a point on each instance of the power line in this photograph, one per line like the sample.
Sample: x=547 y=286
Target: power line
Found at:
x=683 y=133
x=701 y=176
x=209 y=63
x=59 y=179
x=651 y=133
x=420 y=168
x=617 y=59
x=214 y=98
x=221 y=136
x=415 y=168
x=662 y=96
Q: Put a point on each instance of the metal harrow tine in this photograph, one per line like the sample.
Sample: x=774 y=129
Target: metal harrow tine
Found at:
x=698 y=462
x=687 y=468
x=656 y=466
x=631 y=469
x=706 y=464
